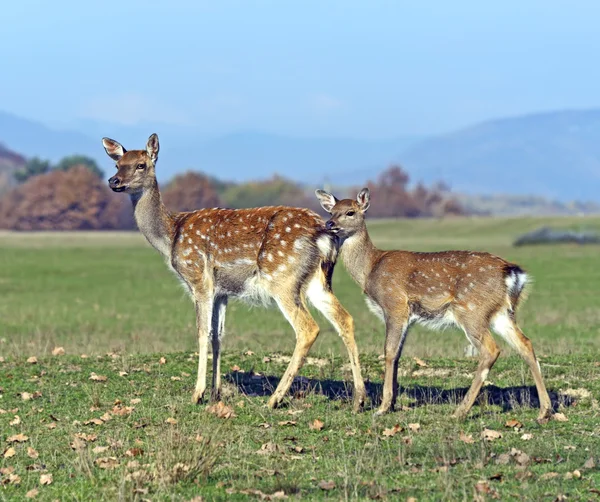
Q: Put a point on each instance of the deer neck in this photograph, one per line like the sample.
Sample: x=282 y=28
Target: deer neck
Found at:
x=153 y=219
x=359 y=255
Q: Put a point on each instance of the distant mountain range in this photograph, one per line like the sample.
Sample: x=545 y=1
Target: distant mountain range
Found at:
x=555 y=155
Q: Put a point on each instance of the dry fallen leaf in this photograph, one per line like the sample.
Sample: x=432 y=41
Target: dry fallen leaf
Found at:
x=97 y=378
x=107 y=462
x=171 y=420
x=137 y=400
x=58 y=351
x=51 y=425
x=46 y=479
x=513 y=424
x=87 y=437
x=316 y=425
x=490 y=435
x=16 y=420
x=134 y=452
x=527 y=437
x=93 y=421
x=268 y=448
x=589 y=463
x=414 y=427
x=221 y=410
x=9 y=452
x=176 y=379
x=162 y=360
x=548 y=475
x=420 y=362
x=560 y=417
x=26 y=396
x=17 y=438
x=466 y=438
x=392 y=431
x=248 y=353
x=123 y=373
x=326 y=485
x=14 y=479
x=32 y=453
x=32 y=360
x=77 y=444
x=100 y=449
x=31 y=494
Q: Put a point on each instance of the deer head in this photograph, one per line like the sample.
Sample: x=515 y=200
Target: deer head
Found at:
x=347 y=215
x=135 y=169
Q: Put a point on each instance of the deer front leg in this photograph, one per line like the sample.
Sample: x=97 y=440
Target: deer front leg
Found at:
x=218 y=326
x=396 y=330
x=203 y=323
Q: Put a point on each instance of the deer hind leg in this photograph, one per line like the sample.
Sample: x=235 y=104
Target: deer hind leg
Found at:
x=204 y=305
x=307 y=331
x=395 y=336
x=488 y=350
x=326 y=302
x=217 y=330
x=505 y=325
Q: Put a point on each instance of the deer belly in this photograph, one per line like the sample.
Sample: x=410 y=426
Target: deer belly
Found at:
x=436 y=320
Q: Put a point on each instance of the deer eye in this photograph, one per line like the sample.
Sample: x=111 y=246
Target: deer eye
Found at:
x=350 y=213
x=141 y=166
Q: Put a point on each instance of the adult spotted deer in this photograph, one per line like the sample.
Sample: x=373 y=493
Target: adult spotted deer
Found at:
x=259 y=254
x=474 y=291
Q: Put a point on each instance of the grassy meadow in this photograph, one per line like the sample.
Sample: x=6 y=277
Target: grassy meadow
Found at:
x=130 y=432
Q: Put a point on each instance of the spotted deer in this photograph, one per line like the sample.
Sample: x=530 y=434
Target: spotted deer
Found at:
x=267 y=253
x=474 y=291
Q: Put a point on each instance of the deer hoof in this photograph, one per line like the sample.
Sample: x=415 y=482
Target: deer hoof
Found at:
x=197 y=397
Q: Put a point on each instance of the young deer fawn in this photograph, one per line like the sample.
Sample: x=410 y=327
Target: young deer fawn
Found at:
x=471 y=290
x=259 y=254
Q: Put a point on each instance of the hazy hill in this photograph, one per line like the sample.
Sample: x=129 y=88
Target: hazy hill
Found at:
x=551 y=154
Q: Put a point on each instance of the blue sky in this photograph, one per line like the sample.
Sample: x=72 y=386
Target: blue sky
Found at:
x=369 y=69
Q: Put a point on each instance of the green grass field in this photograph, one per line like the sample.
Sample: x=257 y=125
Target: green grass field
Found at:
x=109 y=297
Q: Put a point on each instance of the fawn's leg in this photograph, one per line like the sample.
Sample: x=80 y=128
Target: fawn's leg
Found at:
x=307 y=331
x=481 y=338
x=217 y=330
x=505 y=325
x=327 y=303
x=396 y=328
x=204 y=304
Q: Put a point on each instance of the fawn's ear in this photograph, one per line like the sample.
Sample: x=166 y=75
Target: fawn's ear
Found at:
x=364 y=199
x=113 y=148
x=152 y=147
x=326 y=199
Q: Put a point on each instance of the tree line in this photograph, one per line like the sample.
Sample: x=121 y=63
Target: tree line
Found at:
x=73 y=195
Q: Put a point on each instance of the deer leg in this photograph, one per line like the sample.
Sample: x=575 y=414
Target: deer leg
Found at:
x=326 y=302
x=488 y=354
x=307 y=331
x=203 y=323
x=505 y=325
x=217 y=329
x=396 y=330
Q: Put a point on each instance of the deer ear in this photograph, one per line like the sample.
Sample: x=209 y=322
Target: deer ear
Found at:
x=364 y=199
x=326 y=199
x=152 y=147
x=113 y=148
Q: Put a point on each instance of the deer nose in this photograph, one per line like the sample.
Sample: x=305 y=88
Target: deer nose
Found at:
x=329 y=225
x=114 y=182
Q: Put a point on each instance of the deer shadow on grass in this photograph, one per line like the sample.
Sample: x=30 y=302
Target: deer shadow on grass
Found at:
x=508 y=398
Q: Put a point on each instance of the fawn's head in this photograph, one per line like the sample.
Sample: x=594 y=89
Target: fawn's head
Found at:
x=347 y=215
x=135 y=169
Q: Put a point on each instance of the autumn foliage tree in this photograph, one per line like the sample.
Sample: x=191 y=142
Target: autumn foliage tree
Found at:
x=190 y=191
x=76 y=199
x=391 y=197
